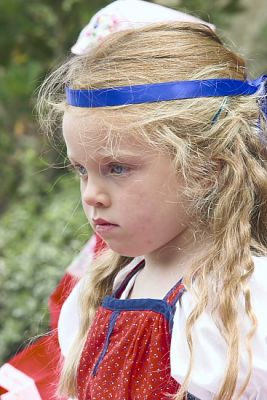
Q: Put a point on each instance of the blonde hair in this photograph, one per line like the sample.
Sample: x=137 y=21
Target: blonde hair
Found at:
x=224 y=165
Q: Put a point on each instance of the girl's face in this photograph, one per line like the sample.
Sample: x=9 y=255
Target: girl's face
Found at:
x=134 y=198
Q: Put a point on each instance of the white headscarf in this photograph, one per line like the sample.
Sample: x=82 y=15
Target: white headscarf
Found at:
x=125 y=14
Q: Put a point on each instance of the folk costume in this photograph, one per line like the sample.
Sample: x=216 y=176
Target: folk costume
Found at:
x=137 y=348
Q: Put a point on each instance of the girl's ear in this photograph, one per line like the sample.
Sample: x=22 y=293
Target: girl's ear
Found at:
x=263 y=151
x=218 y=164
x=211 y=174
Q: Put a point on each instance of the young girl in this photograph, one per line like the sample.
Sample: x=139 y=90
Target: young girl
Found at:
x=169 y=139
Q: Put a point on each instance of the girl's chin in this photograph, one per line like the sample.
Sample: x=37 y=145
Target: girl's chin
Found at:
x=123 y=251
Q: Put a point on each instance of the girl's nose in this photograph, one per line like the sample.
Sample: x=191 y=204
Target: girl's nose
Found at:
x=95 y=194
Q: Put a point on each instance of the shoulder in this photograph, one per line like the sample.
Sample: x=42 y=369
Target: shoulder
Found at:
x=210 y=348
x=69 y=319
x=258 y=282
x=70 y=316
x=258 y=290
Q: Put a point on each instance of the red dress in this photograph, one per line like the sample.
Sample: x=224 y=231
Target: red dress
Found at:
x=127 y=352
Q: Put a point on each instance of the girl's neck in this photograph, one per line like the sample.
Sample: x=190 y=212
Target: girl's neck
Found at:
x=178 y=254
x=167 y=265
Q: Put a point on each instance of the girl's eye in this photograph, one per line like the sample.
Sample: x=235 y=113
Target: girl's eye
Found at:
x=118 y=169
x=81 y=170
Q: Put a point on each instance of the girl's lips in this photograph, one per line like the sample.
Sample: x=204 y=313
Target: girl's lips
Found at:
x=101 y=221
x=104 y=228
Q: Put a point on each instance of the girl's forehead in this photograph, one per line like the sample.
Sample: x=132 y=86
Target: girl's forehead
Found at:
x=93 y=133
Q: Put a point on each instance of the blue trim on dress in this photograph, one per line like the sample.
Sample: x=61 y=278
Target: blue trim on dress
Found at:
x=191 y=397
x=111 y=325
x=156 y=305
x=170 y=292
x=125 y=282
x=117 y=305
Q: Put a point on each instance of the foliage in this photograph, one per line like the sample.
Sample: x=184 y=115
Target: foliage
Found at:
x=40 y=233
x=217 y=11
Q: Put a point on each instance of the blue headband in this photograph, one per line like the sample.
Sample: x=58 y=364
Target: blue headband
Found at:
x=165 y=91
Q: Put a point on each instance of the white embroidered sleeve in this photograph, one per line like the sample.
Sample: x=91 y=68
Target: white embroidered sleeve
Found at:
x=210 y=348
x=69 y=320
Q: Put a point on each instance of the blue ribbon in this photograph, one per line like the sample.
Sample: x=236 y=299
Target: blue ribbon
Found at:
x=165 y=91
x=262 y=84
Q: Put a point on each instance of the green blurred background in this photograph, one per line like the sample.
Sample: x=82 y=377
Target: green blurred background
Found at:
x=42 y=226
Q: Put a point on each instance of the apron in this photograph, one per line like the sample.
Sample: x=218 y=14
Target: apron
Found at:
x=127 y=352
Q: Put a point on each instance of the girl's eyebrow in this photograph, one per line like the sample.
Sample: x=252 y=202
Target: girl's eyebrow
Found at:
x=118 y=154
x=108 y=156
